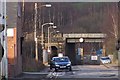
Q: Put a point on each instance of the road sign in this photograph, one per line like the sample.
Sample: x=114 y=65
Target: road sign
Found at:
x=94 y=57
x=1 y=52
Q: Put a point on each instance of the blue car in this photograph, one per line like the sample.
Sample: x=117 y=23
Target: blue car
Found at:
x=60 y=63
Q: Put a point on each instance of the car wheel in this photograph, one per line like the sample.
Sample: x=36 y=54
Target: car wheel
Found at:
x=70 y=69
x=50 y=67
x=56 y=69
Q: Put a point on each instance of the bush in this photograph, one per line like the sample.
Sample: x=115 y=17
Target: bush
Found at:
x=31 y=65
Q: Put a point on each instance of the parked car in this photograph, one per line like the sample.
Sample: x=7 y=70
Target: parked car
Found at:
x=105 y=60
x=60 y=63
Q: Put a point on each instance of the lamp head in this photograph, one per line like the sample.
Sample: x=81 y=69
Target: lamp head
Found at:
x=48 y=5
x=57 y=31
x=51 y=23
x=81 y=39
x=54 y=27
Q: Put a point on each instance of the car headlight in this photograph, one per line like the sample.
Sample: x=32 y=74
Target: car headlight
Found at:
x=68 y=64
x=56 y=65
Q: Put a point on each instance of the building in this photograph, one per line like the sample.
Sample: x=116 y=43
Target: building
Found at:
x=14 y=53
x=11 y=45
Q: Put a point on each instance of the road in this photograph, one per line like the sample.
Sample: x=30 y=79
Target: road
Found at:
x=79 y=72
x=86 y=71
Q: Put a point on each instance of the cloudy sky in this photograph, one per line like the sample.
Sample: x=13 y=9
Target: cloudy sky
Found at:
x=63 y=0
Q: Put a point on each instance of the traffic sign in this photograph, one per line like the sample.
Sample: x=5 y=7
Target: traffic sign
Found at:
x=1 y=51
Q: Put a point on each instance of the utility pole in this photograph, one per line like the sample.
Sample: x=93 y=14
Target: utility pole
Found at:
x=35 y=36
x=4 y=61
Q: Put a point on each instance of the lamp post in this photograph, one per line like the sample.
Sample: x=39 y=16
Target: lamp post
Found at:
x=35 y=36
x=45 y=55
x=49 y=50
x=59 y=50
x=81 y=40
x=56 y=37
x=42 y=37
x=50 y=38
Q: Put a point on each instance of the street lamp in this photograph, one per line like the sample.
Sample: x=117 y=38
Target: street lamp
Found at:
x=81 y=48
x=35 y=36
x=54 y=27
x=47 y=5
x=57 y=31
x=42 y=36
x=81 y=40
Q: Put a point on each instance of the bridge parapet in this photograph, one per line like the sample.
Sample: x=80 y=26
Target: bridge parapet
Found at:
x=85 y=35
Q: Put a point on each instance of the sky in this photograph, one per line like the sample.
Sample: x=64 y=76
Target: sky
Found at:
x=63 y=0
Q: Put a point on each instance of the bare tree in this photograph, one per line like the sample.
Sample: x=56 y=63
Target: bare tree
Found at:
x=115 y=26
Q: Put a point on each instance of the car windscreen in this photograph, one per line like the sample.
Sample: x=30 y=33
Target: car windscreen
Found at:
x=61 y=59
x=105 y=58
